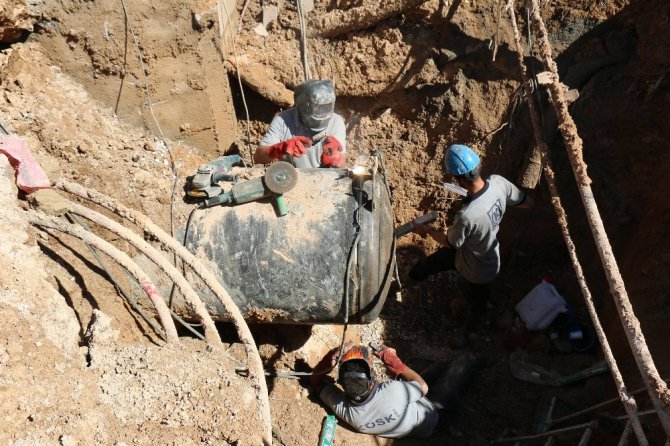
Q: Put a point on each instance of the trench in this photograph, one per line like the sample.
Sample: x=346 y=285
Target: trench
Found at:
x=617 y=66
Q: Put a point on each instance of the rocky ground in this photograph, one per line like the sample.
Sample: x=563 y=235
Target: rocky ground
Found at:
x=80 y=367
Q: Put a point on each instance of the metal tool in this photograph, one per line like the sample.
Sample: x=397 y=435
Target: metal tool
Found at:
x=407 y=227
x=376 y=348
x=456 y=189
x=318 y=137
x=204 y=183
x=279 y=178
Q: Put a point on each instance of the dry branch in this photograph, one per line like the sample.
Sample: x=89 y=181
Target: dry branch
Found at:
x=47 y=221
x=141 y=220
x=211 y=333
x=542 y=150
x=658 y=389
x=370 y=14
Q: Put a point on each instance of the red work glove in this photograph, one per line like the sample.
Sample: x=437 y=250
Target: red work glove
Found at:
x=332 y=155
x=296 y=146
x=393 y=364
x=324 y=366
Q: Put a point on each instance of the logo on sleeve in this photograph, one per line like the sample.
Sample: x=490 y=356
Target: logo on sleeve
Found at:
x=495 y=214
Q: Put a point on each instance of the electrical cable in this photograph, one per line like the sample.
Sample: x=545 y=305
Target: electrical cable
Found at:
x=183 y=268
x=532 y=69
x=129 y=296
x=173 y=166
x=303 y=41
x=233 y=36
x=378 y=153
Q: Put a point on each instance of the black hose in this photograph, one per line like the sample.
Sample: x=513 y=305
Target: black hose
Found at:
x=183 y=269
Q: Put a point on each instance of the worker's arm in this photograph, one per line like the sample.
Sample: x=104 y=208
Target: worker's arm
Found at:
x=321 y=370
x=261 y=155
x=296 y=146
x=527 y=202
x=327 y=363
x=399 y=369
x=515 y=196
x=437 y=235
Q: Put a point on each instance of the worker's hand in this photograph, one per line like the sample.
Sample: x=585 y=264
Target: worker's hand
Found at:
x=393 y=364
x=327 y=363
x=296 y=146
x=421 y=229
x=333 y=155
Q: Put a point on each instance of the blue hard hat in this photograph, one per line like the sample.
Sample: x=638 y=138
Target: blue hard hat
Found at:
x=460 y=159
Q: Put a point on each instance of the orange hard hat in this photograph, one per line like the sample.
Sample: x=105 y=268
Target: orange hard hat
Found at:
x=355 y=374
x=362 y=355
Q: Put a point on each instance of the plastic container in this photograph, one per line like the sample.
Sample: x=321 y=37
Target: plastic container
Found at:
x=327 y=437
x=293 y=269
x=541 y=306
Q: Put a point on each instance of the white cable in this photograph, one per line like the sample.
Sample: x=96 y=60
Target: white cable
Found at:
x=233 y=35
x=303 y=41
x=151 y=110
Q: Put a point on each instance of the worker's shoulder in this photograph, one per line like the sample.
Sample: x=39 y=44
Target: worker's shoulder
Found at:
x=337 y=119
x=287 y=114
x=394 y=385
x=498 y=179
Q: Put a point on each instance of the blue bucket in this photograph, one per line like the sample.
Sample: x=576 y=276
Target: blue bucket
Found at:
x=582 y=337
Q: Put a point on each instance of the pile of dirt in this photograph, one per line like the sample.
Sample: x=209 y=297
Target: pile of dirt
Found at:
x=130 y=98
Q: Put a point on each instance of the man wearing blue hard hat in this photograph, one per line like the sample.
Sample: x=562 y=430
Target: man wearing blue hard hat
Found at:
x=470 y=245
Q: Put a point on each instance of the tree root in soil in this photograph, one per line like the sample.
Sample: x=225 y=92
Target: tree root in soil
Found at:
x=141 y=220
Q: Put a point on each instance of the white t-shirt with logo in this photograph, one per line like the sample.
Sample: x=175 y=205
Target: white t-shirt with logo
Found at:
x=395 y=409
x=287 y=124
x=476 y=225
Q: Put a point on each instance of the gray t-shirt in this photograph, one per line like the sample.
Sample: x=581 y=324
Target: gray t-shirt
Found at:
x=395 y=409
x=286 y=125
x=475 y=227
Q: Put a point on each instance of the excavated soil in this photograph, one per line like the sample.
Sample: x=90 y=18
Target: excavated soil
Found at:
x=129 y=98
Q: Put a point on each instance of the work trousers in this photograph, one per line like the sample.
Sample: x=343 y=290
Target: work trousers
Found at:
x=447 y=381
x=444 y=259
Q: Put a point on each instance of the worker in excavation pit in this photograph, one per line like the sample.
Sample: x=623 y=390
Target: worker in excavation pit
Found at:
x=409 y=406
x=310 y=134
x=470 y=245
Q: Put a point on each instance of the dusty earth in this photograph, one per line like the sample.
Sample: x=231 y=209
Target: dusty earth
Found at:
x=79 y=366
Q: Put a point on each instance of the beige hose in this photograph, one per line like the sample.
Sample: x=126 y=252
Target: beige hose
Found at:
x=253 y=357
x=47 y=221
x=211 y=333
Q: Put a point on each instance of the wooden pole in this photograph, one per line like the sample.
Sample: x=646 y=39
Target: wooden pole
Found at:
x=657 y=388
x=628 y=401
